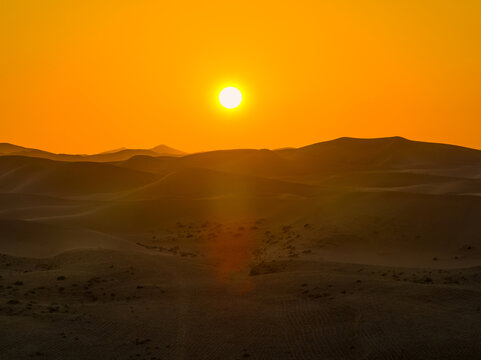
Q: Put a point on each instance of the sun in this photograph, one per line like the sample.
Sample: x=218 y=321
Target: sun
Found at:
x=230 y=97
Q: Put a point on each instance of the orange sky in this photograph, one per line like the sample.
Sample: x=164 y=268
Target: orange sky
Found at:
x=86 y=76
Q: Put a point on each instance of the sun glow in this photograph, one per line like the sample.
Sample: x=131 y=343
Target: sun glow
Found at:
x=230 y=97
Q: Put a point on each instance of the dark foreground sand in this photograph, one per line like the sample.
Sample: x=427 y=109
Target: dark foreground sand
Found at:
x=101 y=304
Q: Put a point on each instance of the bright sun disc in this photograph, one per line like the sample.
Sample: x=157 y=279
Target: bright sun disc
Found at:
x=230 y=97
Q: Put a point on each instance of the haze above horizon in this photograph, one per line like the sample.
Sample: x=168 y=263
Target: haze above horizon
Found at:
x=85 y=77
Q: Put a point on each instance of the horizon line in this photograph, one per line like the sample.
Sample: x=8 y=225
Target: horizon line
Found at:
x=123 y=148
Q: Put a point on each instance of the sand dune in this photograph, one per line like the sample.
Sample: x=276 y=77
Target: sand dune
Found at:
x=390 y=227
x=385 y=179
x=384 y=153
x=34 y=239
x=348 y=249
x=210 y=183
x=42 y=176
x=325 y=158
x=33 y=206
x=248 y=162
x=377 y=211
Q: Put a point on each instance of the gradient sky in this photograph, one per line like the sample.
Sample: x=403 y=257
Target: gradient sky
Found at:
x=86 y=76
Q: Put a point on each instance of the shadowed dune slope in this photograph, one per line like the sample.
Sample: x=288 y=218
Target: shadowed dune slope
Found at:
x=404 y=181
x=42 y=176
x=199 y=183
x=157 y=165
x=405 y=225
x=34 y=239
x=396 y=220
x=33 y=206
x=243 y=161
x=126 y=217
x=383 y=179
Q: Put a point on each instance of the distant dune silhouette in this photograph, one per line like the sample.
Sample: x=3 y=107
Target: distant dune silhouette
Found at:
x=110 y=155
x=340 y=155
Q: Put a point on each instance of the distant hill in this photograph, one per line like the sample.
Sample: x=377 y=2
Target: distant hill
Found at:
x=343 y=154
x=120 y=154
x=123 y=154
x=324 y=158
x=381 y=153
x=6 y=148
x=164 y=150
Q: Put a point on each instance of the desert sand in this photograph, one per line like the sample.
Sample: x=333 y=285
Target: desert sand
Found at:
x=347 y=249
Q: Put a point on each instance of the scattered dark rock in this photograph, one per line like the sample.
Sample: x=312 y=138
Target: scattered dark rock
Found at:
x=266 y=268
